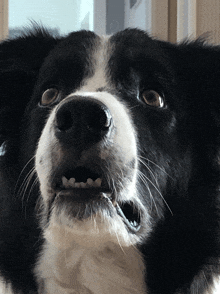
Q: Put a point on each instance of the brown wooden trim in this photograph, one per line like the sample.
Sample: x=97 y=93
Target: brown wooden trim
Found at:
x=208 y=20
x=192 y=18
x=182 y=13
x=3 y=19
x=160 y=26
x=172 y=21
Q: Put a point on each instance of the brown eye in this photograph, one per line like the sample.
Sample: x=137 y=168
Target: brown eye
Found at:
x=152 y=98
x=49 y=96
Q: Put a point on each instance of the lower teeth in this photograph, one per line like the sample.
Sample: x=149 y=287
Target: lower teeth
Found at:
x=71 y=183
x=132 y=225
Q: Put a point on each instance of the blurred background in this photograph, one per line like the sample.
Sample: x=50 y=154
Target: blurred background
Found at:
x=171 y=20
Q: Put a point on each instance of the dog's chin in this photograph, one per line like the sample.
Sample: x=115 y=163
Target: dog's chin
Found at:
x=86 y=203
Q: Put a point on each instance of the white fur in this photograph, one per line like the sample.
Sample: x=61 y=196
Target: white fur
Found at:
x=100 y=59
x=5 y=288
x=216 y=288
x=91 y=257
x=57 y=290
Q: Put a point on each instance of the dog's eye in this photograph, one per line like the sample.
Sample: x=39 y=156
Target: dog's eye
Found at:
x=153 y=98
x=49 y=96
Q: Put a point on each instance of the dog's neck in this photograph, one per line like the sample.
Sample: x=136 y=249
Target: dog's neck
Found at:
x=71 y=264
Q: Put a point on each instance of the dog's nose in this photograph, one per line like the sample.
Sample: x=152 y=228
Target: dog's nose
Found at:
x=82 y=122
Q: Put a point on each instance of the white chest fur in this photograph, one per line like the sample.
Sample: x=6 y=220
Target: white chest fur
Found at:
x=86 y=266
x=87 y=270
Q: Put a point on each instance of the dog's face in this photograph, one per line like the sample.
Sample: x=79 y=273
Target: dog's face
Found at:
x=100 y=122
x=108 y=131
x=87 y=154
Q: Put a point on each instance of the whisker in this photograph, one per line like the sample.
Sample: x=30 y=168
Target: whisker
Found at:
x=38 y=206
x=156 y=190
x=162 y=169
x=150 y=170
x=32 y=187
x=148 y=188
x=94 y=221
x=132 y=107
x=26 y=183
x=119 y=243
x=65 y=246
x=33 y=157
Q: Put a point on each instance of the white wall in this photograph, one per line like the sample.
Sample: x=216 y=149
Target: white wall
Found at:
x=139 y=15
x=67 y=15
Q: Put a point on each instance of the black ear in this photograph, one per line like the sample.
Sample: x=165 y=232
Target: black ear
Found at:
x=20 y=61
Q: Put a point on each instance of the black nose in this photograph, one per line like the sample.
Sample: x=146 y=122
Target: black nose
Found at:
x=82 y=122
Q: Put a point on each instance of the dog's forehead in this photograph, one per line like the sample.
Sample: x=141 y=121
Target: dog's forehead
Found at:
x=104 y=58
x=90 y=48
x=87 y=41
x=86 y=61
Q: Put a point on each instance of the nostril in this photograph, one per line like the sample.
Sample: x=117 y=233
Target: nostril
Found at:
x=100 y=120
x=107 y=118
x=64 y=120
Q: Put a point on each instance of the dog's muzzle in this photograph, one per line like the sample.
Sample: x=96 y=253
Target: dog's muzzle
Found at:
x=82 y=178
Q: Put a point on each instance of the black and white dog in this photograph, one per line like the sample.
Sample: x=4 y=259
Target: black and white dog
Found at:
x=110 y=164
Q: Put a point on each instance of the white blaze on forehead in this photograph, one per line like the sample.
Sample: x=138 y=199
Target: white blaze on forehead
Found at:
x=99 y=59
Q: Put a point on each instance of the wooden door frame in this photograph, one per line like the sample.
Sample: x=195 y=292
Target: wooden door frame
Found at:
x=3 y=19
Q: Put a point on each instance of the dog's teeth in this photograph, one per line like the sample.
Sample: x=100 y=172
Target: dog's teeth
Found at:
x=97 y=182
x=90 y=182
x=83 y=185
x=134 y=223
x=72 y=182
x=77 y=185
x=64 y=181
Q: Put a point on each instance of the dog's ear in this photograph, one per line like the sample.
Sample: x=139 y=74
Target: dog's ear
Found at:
x=20 y=61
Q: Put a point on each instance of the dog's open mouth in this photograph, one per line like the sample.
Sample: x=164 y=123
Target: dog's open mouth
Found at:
x=84 y=185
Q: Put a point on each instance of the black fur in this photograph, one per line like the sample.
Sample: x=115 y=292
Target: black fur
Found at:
x=180 y=144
